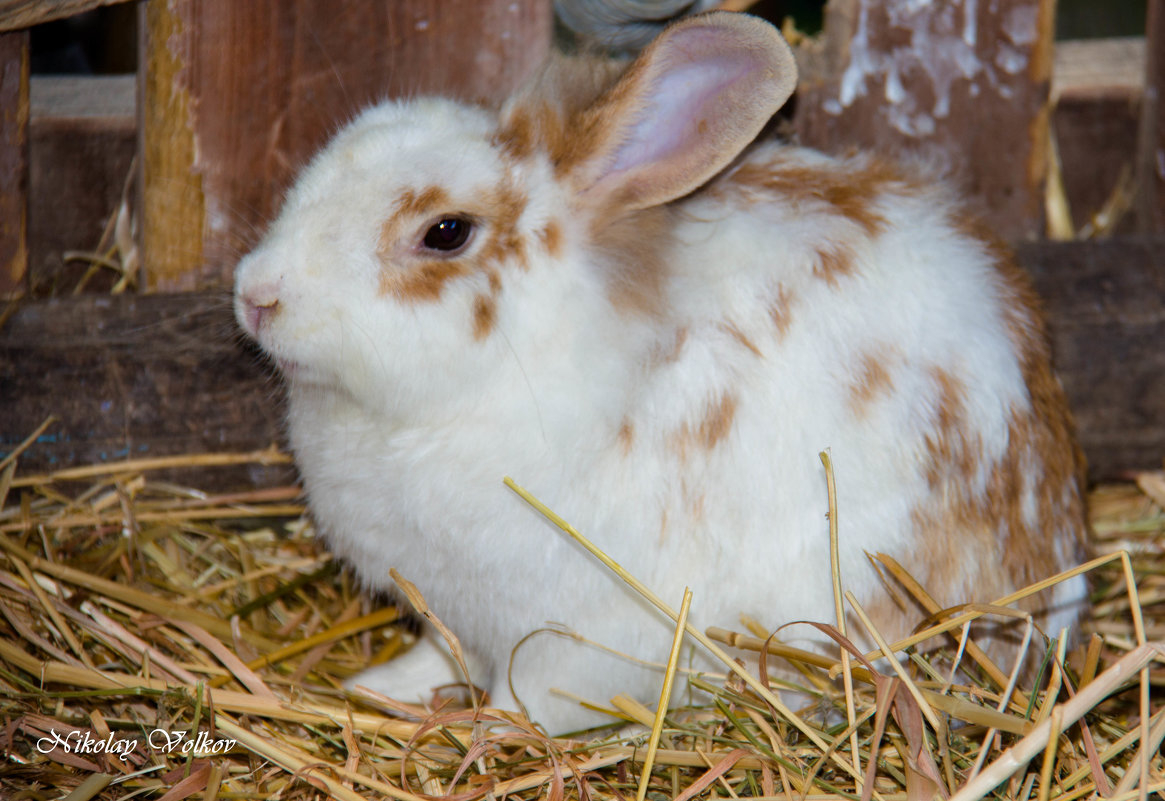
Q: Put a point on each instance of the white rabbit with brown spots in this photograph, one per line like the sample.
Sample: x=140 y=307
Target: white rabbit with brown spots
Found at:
x=606 y=290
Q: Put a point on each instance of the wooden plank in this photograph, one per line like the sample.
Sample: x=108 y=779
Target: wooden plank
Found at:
x=1099 y=68
x=239 y=95
x=162 y=375
x=965 y=79
x=135 y=377
x=1151 y=144
x=1105 y=303
x=13 y=163
x=82 y=142
x=17 y=14
x=104 y=100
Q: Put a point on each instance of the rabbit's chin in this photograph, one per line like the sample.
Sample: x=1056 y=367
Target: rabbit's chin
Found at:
x=301 y=374
x=294 y=371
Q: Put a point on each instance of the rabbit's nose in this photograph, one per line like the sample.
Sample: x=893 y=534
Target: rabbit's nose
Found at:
x=256 y=308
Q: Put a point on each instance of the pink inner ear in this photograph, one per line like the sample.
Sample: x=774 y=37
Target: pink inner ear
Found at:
x=691 y=103
x=673 y=117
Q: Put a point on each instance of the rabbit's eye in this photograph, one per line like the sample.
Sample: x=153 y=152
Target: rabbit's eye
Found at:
x=448 y=234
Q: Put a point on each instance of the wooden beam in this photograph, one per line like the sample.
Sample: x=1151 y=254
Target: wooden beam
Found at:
x=1108 y=69
x=13 y=163
x=1104 y=306
x=238 y=95
x=18 y=14
x=158 y=375
x=1151 y=143
x=136 y=377
x=967 y=80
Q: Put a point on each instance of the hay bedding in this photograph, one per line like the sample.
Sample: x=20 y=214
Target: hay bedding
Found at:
x=157 y=642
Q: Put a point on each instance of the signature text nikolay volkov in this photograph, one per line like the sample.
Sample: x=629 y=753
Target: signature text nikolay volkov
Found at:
x=82 y=742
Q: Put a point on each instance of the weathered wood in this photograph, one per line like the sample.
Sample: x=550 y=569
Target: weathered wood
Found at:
x=1105 y=303
x=1097 y=89
x=17 y=14
x=82 y=142
x=1151 y=145
x=966 y=79
x=1099 y=68
x=161 y=374
x=1097 y=140
x=13 y=162
x=238 y=95
x=135 y=377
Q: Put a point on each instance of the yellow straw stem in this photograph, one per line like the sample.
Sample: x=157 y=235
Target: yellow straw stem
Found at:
x=669 y=678
x=839 y=609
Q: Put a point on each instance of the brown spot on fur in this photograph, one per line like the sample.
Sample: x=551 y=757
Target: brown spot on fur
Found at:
x=732 y=330
x=873 y=380
x=780 y=310
x=712 y=428
x=848 y=190
x=950 y=445
x=626 y=436
x=551 y=238
x=832 y=263
x=418 y=204
x=485 y=310
x=517 y=139
x=717 y=422
x=505 y=210
x=423 y=282
x=953 y=514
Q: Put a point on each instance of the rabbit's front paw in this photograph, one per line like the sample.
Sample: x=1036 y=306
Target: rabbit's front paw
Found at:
x=414 y=676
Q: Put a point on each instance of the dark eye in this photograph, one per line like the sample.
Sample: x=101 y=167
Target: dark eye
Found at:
x=448 y=234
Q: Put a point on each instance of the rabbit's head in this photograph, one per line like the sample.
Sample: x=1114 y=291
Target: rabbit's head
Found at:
x=432 y=238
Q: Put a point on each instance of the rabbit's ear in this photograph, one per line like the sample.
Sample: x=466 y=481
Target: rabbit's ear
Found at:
x=683 y=110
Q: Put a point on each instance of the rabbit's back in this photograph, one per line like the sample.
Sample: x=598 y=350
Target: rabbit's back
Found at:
x=854 y=305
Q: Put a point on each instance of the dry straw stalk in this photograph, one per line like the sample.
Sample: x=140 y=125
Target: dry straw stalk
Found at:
x=130 y=605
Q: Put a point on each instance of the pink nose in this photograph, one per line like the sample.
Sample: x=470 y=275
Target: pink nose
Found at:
x=257 y=311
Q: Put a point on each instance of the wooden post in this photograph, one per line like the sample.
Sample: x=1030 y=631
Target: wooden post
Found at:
x=13 y=162
x=964 y=78
x=237 y=96
x=1151 y=144
x=19 y=14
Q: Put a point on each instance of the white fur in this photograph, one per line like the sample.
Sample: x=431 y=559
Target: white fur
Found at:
x=404 y=424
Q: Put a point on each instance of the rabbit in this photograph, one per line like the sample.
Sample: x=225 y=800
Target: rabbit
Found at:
x=606 y=289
